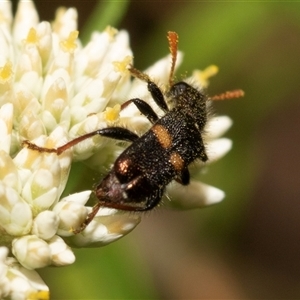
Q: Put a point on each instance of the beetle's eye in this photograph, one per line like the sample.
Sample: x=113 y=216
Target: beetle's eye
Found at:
x=178 y=88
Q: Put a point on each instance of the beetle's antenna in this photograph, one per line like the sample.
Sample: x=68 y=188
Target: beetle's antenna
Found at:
x=173 y=46
x=228 y=95
x=138 y=74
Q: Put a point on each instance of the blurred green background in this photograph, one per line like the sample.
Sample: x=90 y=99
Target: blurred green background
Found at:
x=247 y=246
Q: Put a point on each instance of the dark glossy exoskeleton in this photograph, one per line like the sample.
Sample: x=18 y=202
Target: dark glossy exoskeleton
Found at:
x=140 y=174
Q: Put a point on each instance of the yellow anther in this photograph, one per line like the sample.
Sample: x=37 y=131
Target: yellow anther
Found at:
x=111 y=31
x=32 y=37
x=40 y=295
x=122 y=66
x=69 y=45
x=203 y=76
x=210 y=71
x=6 y=72
x=111 y=114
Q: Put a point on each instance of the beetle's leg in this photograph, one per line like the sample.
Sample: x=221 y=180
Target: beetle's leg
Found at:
x=118 y=133
x=144 y=108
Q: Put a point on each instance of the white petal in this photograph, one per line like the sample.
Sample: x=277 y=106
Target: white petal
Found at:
x=44 y=33
x=6 y=46
x=24 y=282
x=46 y=200
x=6 y=15
x=66 y=22
x=3 y=254
x=9 y=172
x=194 y=195
x=15 y=213
x=26 y=17
x=6 y=116
x=4 y=281
x=216 y=149
x=80 y=198
x=161 y=69
x=108 y=226
x=21 y=219
x=217 y=126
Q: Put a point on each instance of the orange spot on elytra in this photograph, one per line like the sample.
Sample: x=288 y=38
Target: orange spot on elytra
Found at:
x=177 y=161
x=163 y=136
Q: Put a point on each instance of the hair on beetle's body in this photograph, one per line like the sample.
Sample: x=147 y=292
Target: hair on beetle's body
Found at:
x=139 y=176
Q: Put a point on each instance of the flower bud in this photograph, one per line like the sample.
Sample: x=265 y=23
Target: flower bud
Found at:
x=15 y=213
x=108 y=226
x=23 y=283
x=45 y=225
x=61 y=254
x=4 y=281
x=31 y=252
x=71 y=214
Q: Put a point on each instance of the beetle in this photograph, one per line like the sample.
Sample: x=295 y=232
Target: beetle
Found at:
x=139 y=176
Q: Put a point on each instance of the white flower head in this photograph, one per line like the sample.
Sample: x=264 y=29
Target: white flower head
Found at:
x=18 y=282
x=52 y=90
